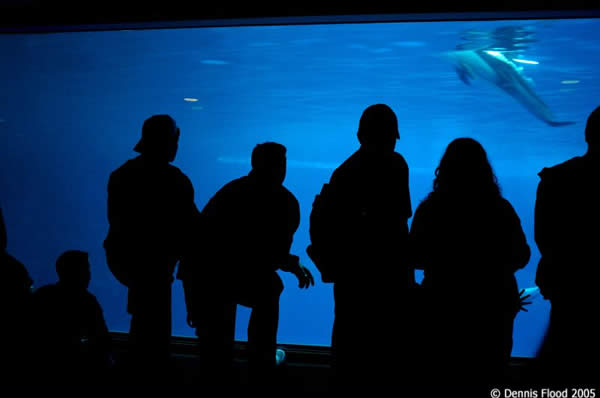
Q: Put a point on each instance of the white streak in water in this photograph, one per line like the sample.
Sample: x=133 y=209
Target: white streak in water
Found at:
x=214 y=62
x=524 y=61
x=409 y=43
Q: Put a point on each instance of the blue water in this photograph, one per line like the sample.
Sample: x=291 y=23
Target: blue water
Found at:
x=73 y=105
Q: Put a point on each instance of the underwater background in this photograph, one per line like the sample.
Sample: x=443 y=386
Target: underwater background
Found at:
x=73 y=105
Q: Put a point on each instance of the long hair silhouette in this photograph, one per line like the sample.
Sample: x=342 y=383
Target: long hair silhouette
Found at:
x=465 y=169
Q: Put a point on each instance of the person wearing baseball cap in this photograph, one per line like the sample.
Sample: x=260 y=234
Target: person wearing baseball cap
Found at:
x=150 y=212
x=160 y=136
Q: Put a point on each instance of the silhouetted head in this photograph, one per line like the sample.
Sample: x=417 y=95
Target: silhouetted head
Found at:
x=73 y=269
x=592 y=130
x=378 y=129
x=465 y=169
x=269 y=163
x=160 y=138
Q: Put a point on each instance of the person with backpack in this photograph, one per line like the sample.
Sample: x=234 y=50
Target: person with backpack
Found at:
x=359 y=235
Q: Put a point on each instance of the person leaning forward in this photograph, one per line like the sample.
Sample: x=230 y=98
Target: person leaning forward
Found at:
x=246 y=234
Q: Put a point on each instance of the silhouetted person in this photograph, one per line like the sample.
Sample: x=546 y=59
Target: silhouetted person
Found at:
x=150 y=210
x=369 y=204
x=71 y=337
x=16 y=282
x=567 y=215
x=247 y=229
x=15 y=293
x=468 y=240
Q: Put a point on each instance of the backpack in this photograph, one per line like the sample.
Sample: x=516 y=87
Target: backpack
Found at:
x=322 y=231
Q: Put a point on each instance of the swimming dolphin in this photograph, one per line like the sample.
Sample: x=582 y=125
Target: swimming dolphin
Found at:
x=494 y=67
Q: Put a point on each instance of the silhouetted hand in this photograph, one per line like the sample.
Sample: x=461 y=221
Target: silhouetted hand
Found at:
x=305 y=278
x=522 y=302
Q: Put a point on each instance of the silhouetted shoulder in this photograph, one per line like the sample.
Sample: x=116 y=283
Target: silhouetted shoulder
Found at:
x=179 y=175
x=234 y=187
x=92 y=300
x=564 y=169
x=15 y=272
x=225 y=195
x=121 y=176
x=138 y=166
x=350 y=164
x=126 y=168
x=428 y=204
x=51 y=299
x=290 y=197
x=239 y=187
x=43 y=295
x=358 y=162
x=399 y=162
x=506 y=207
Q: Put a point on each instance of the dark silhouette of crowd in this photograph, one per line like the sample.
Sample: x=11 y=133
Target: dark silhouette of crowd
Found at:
x=567 y=214
x=451 y=332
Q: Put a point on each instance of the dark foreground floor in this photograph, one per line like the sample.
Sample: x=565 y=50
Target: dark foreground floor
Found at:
x=306 y=370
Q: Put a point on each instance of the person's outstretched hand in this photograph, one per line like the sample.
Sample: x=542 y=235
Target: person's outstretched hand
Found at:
x=522 y=302
x=305 y=278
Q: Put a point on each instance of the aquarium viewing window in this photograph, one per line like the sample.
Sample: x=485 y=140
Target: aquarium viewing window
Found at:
x=75 y=99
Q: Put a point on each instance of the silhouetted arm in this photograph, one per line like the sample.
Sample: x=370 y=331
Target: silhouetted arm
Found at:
x=408 y=208
x=545 y=233
x=544 y=230
x=518 y=252
x=102 y=336
x=188 y=225
x=197 y=259
x=408 y=213
x=115 y=204
x=3 y=240
x=418 y=240
x=283 y=258
x=305 y=278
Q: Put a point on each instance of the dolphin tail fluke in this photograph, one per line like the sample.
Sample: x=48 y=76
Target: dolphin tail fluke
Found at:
x=558 y=124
